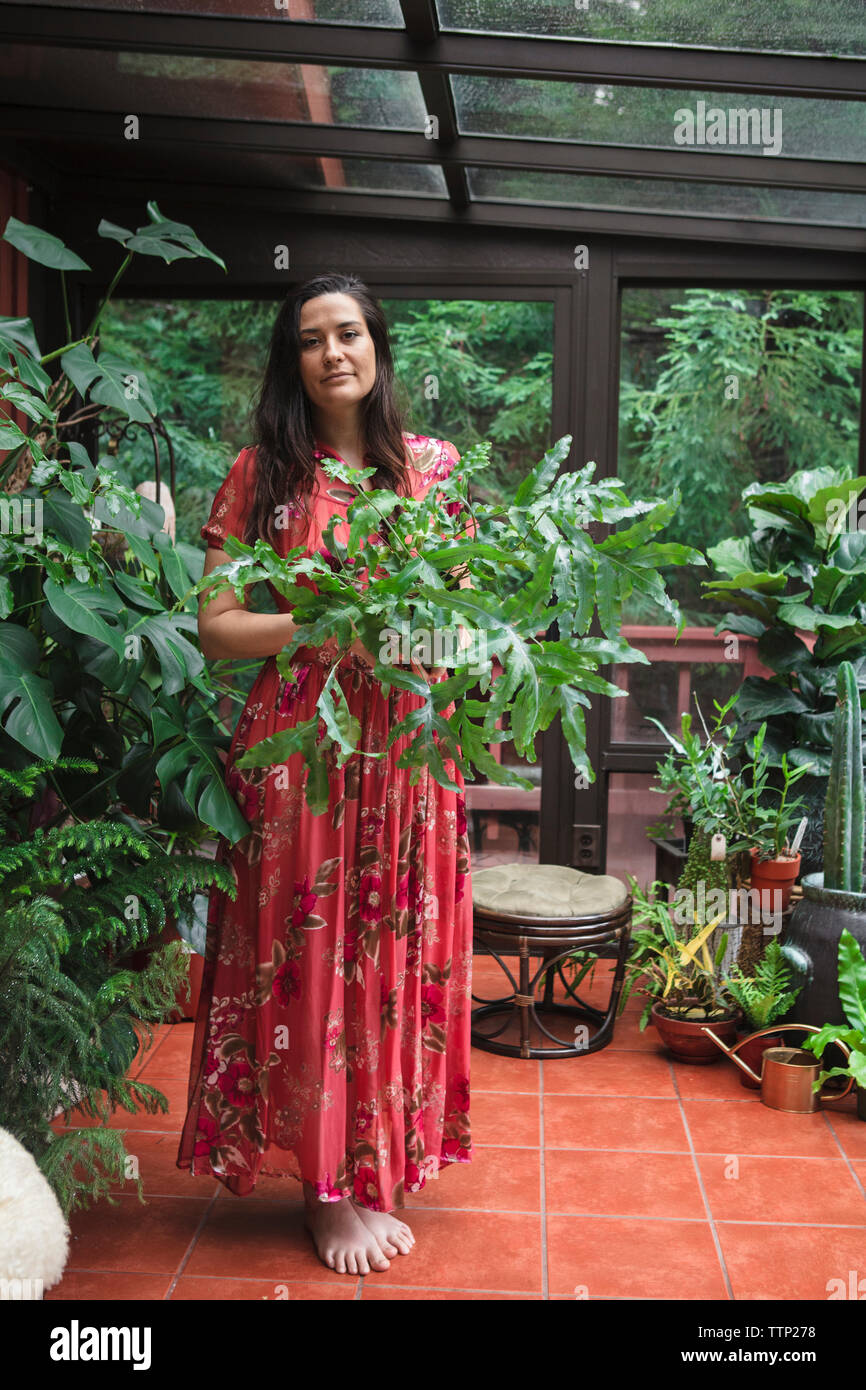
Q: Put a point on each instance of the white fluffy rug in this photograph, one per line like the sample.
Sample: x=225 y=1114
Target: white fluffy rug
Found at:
x=34 y=1236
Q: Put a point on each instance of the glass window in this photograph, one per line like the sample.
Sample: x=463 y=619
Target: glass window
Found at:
x=724 y=387
x=631 y=808
x=776 y=26
x=608 y=114
x=380 y=13
x=187 y=85
x=673 y=196
x=209 y=164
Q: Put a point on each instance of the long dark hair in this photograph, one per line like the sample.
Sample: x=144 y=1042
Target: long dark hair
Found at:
x=285 y=467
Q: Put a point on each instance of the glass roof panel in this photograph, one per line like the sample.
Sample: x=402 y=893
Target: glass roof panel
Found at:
x=251 y=169
x=774 y=26
x=394 y=176
x=185 y=85
x=673 y=196
x=377 y=13
x=608 y=114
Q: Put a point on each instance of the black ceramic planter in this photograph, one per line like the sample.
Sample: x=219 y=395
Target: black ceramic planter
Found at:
x=817 y=922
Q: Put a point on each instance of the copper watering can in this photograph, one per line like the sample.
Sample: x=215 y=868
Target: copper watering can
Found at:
x=788 y=1073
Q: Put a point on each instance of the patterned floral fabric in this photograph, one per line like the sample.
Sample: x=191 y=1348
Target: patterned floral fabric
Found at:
x=332 y=1037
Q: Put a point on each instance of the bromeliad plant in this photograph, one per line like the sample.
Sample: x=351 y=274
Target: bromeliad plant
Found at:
x=672 y=965
x=531 y=562
x=94 y=660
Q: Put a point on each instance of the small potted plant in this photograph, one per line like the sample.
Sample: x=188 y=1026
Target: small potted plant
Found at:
x=672 y=966
x=765 y=829
x=764 y=997
x=697 y=775
x=852 y=992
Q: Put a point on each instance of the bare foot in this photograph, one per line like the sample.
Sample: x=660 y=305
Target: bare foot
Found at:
x=393 y=1235
x=343 y=1242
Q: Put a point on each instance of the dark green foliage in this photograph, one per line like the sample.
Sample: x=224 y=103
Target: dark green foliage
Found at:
x=95 y=663
x=802 y=568
x=724 y=390
x=75 y=903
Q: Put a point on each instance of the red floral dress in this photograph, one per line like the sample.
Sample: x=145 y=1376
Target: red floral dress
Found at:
x=332 y=1037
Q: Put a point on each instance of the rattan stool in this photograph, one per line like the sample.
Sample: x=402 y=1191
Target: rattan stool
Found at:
x=581 y=912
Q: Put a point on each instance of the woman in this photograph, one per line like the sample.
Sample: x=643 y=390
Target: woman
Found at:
x=332 y=1037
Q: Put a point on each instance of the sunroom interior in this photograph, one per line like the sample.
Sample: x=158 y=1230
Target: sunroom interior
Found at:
x=648 y=193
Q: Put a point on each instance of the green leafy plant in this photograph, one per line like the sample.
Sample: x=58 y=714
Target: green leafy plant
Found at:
x=672 y=965
x=852 y=993
x=694 y=772
x=95 y=662
x=760 y=824
x=800 y=571
x=766 y=994
x=76 y=903
x=541 y=538
x=702 y=781
x=792 y=356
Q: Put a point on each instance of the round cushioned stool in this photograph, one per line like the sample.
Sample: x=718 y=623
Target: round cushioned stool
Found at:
x=551 y=911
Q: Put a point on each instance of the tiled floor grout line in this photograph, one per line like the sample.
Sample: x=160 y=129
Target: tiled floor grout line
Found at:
x=828 y=1118
x=545 y=1290
x=192 y=1244
x=697 y=1167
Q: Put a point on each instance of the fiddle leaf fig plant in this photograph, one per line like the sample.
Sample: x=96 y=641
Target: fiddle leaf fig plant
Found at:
x=797 y=582
x=398 y=572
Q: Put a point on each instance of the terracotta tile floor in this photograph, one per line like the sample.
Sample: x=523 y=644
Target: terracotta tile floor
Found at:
x=618 y=1175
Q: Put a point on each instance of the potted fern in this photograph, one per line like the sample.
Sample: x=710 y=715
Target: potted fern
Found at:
x=764 y=997
x=834 y=901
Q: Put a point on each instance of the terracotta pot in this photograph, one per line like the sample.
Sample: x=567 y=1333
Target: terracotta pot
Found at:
x=188 y=1008
x=861 y=1103
x=184 y=1008
x=772 y=875
x=685 y=1040
x=752 y=1053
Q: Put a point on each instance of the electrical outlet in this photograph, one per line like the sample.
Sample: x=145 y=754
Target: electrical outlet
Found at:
x=586 y=851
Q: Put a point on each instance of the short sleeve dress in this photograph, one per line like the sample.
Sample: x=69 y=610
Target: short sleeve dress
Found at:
x=332 y=1037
